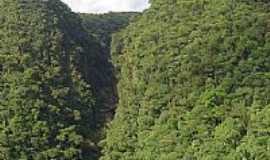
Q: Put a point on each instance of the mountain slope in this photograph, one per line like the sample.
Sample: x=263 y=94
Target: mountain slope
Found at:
x=45 y=106
x=194 y=83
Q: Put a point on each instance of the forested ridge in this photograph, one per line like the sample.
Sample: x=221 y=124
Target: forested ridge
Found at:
x=53 y=71
x=184 y=80
x=45 y=104
x=193 y=83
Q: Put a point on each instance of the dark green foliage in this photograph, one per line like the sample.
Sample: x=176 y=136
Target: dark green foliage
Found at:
x=48 y=59
x=194 y=83
x=99 y=69
x=45 y=106
x=102 y=26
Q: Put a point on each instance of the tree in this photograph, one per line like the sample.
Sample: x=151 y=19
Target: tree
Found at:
x=45 y=106
x=194 y=83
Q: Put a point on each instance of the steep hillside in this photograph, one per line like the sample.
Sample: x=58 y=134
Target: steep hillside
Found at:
x=194 y=83
x=57 y=86
x=46 y=108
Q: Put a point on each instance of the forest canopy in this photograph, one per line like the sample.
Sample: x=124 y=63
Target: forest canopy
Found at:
x=184 y=80
x=57 y=86
x=194 y=83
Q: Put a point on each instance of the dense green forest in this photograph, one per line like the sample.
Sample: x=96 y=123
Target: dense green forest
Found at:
x=53 y=70
x=194 y=83
x=45 y=105
x=184 y=80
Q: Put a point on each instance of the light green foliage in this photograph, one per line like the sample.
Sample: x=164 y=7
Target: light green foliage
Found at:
x=194 y=83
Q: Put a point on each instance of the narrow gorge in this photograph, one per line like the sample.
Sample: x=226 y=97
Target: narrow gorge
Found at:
x=183 y=80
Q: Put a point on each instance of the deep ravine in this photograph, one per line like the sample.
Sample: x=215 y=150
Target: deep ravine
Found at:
x=57 y=84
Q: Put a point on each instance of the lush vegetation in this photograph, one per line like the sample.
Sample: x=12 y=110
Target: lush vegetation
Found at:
x=52 y=69
x=45 y=106
x=194 y=83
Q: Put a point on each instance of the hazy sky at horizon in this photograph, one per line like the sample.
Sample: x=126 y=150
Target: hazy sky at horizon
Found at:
x=103 y=6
